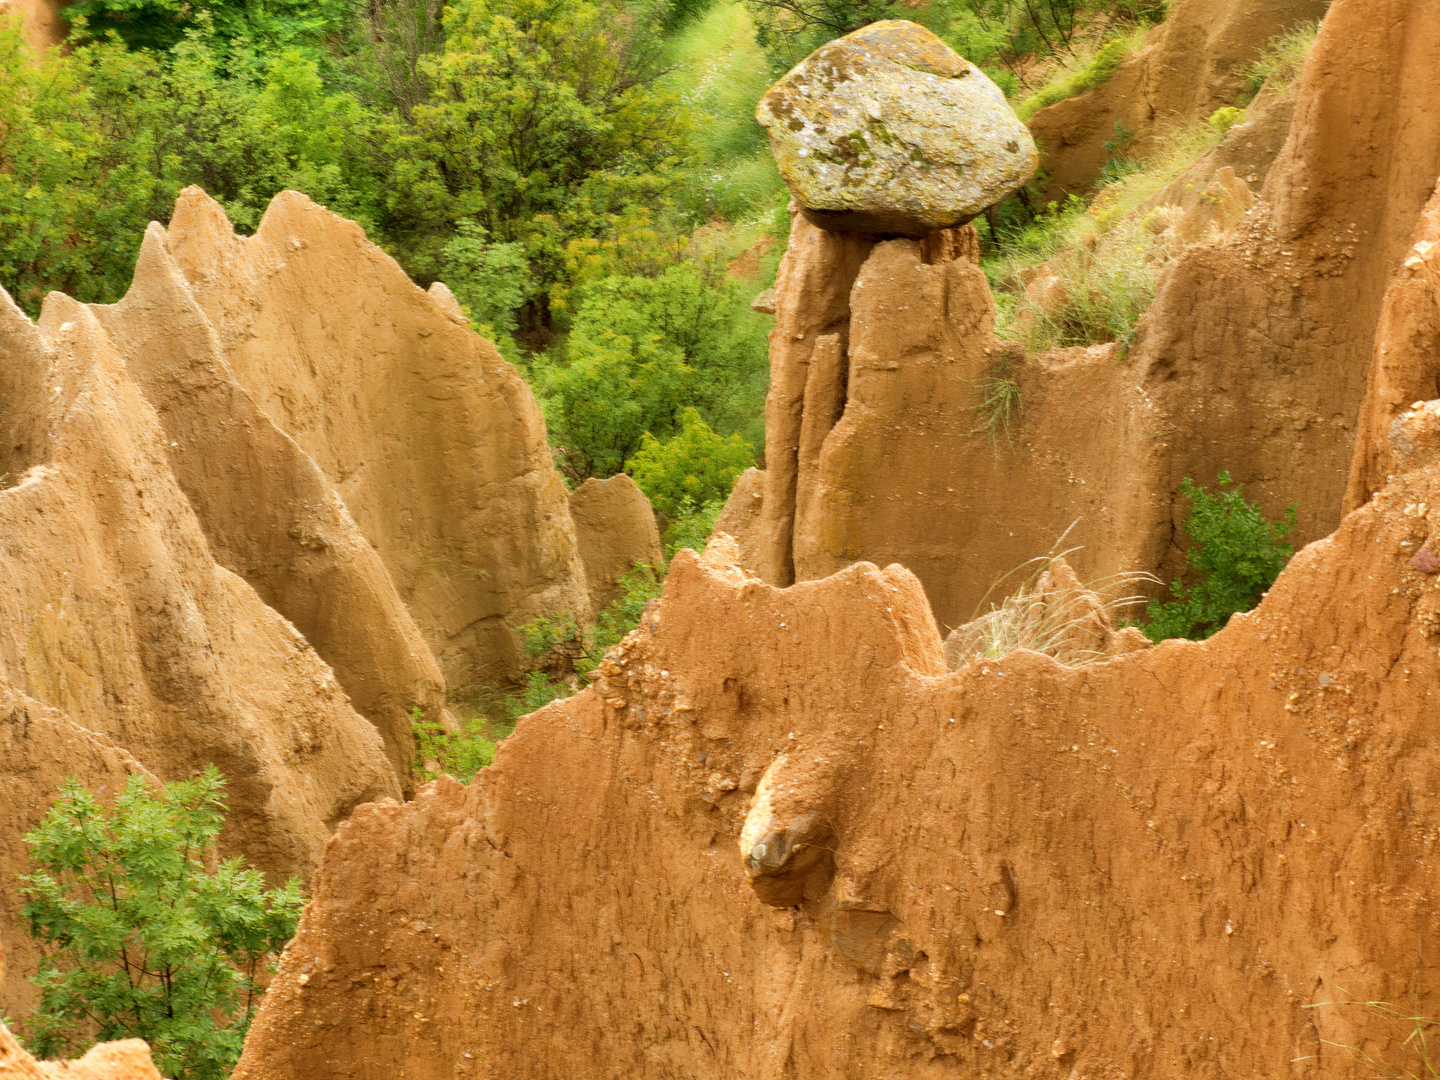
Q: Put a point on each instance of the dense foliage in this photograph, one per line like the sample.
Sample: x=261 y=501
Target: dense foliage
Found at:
x=693 y=468
x=642 y=355
x=1238 y=554
x=147 y=933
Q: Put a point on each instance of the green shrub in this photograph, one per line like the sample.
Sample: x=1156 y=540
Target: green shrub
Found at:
x=560 y=641
x=557 y=642
x=98 y=143
x=544 y=125
x=643 y=351
x=141 y=939
x=691 y=526
x=490 y=281
x=1238 y=554
x=621 y=615
x=695 y=467
x=460 y=754
x=163 y=24
x=1222 y=120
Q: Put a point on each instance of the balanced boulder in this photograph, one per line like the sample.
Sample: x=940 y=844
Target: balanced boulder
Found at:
x=888 y=131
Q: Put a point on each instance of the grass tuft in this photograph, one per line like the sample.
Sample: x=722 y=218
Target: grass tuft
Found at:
x=1083 y=274
x=1282 y=59
x=1417 y=1030
x=1050 y=612
x=999 y=404
x=1098 y=69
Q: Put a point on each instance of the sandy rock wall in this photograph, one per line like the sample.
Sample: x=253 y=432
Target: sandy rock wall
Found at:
x=125 y=1059
x=185 y=579
x=893 y=465
x=615 y=529
x=432 y=441
x=115 y=612
x=1257 y=348
x=1147 y=867
x=1405 y=367
x=268 y=513
x=1189 y=66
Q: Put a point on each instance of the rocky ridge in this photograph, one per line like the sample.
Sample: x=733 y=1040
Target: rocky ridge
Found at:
x=248 y=512
x=793 y=844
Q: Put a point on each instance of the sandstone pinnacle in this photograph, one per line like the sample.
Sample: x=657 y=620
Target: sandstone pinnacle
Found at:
x=887 y=130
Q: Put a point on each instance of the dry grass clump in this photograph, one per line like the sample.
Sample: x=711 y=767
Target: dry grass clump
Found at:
x=999 y=404
x=1051 y=612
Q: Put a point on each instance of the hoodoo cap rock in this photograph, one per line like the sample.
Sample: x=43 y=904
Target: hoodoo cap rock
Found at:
x=887 y=130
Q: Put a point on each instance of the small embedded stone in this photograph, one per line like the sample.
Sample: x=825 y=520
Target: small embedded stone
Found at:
x=1426 y=561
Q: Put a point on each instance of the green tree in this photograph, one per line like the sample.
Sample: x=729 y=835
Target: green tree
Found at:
x=543 y=126
x=147 y=934
x=701 y=314
x=461 y=753
x=600 y=402
x=640 y=352
x=491 y=282
x=1238 y=554
x=691 y=469
x=162 y=24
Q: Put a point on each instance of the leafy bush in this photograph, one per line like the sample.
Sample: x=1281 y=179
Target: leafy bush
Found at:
x=162 y=24
x=1238 y=554
x=464 y=752
x=696 y=466
x=621 y=615
x=490 y=281
x=720 y=72
x=461 y=753
x=561 y=641
x=1222 y=120
x=543 y=126
x=640 y=353
x=98 y=143
x=691 y=526
x=142 y=939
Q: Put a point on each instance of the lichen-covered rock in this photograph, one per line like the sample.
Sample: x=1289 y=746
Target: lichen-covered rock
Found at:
x=887 y=130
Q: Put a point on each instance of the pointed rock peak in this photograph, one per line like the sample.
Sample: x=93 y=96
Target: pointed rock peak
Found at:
x=155 y=268
x=58 y=311
x=441 y=294
x=12 y=315
x=293 y=221
x=198 y=217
